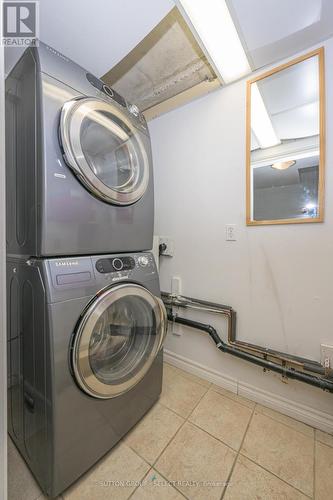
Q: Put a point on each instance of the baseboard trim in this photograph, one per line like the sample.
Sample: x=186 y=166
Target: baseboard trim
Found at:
x=201 y=371
x=308 y=415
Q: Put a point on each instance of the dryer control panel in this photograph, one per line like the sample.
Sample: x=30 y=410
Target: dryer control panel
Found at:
x=114 y=264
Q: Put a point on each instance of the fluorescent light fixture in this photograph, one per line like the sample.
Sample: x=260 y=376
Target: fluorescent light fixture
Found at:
x=260 y=121
x=217 y=35
x=283 y=165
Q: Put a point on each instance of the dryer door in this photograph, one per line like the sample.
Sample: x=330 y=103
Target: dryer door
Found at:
x=117 y=340
x=104 y=150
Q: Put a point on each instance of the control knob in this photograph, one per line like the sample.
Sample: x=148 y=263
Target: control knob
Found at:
x=132 y=108
x=143 y=261
x=117 y=264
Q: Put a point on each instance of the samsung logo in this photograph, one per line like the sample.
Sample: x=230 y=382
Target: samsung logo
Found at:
x=67 y=263
x=56 y=53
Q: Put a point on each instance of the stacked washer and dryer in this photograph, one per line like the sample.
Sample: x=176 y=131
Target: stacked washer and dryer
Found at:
x=85 y=319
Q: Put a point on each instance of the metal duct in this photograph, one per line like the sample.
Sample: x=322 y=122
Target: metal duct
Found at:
x=166 y=63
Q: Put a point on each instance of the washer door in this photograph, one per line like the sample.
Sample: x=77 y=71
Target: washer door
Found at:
x=104 y=150
x=117 y=340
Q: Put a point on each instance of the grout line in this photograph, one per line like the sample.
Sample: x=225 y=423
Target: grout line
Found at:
x=138 y=486
x=322 y=441
x=173 y=411
x=152 y=466
x=264 y=468
x=170 y=441
x=214 y=437
x=211 y=388
x=314 y=467
x=233 y=399
x=190 y=414
x=165 y=447
x=182 y=425
x=189 y=375
x=167 y=480
x=237 y=455
x=284 y=423
x=277 y=477
x=136 y=452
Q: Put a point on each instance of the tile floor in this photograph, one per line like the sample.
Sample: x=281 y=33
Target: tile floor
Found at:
x=202 y=442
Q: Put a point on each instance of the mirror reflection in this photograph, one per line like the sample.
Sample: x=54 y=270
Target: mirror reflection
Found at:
x=285 y=137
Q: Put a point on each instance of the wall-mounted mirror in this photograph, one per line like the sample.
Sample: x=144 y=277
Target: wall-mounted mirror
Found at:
x=286 y=143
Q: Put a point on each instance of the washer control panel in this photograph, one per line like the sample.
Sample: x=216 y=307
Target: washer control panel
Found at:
x=114 y=268
x=73 y=277
x=115 y=264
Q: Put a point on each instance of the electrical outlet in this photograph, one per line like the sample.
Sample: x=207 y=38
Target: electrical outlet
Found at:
x=168 y=246
x=230 y=232
x=326 y=356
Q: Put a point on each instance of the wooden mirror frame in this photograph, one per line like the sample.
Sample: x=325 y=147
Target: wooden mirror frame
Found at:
x=321 y=182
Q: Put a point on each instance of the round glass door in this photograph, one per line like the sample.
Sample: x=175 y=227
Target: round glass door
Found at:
x=117 y=340
x=104 y=150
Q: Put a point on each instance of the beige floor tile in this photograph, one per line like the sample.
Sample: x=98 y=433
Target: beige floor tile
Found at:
x=21 y=484
x=323 y=472
x=282 y=450
x=324 y=437
x=194 y=458
x=168 y=369
x=222 y=417
x=249 y=482
x=155 y=486
x=188 y=375
x=180 y=394
x=284 y=419
x=151 y=435
x=232 y=395
x=44 y=497
x=106 y=479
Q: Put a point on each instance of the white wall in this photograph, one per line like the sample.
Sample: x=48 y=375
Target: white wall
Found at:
x=279 y=279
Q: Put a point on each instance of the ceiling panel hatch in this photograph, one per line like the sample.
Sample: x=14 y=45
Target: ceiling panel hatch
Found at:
x=167 y=63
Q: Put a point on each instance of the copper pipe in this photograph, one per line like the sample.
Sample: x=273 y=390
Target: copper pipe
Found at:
x=230 y=314
x=284 y=371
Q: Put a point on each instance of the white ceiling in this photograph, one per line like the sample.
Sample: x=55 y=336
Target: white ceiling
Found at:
x=271 y=30
x=291 y=98
x=274 y=20
x=292 y=87
x=97 y=34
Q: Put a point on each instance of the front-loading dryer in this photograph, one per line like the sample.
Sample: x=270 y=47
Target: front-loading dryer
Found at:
x=84 y=358
x=78 y=162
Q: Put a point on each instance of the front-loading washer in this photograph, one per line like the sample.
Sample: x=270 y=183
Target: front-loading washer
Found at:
x=85 y=339
x=78 y=162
